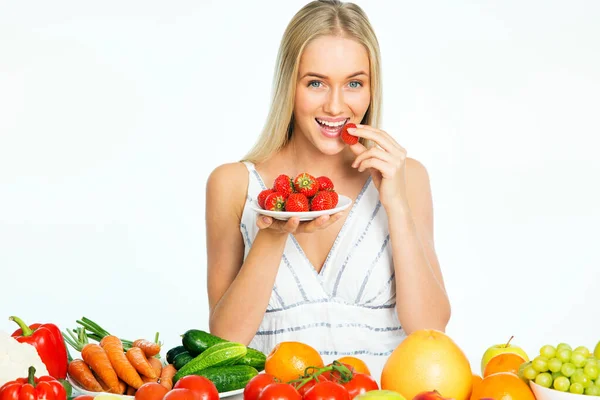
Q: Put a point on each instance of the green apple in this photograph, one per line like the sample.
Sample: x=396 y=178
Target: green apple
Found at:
x=380 y=395
x=501 y=348
x=597 y=351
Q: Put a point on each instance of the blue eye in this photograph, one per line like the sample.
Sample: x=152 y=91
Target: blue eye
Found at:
x=314 y=84
x=355 y=84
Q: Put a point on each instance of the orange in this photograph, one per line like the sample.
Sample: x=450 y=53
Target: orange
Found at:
x=476 y=381
x=503 y=362
x=428 y=360
x=503 y=386
x=356 y=363
x=288 y=360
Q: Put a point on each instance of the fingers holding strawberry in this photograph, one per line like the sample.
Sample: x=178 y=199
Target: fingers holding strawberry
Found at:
x=386 y=162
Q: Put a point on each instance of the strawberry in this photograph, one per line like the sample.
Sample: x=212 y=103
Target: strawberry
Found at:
x=325 y=183
x=321 y=201
x=262 y=196
x=334 y=198
x=283 y=184
x=306 y=184
x=275 y=202
x=296 y=202
x=346 y=137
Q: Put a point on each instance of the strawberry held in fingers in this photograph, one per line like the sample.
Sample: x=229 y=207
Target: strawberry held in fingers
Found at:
x=284 y=185
x=296 y=202
x=306 y=184
x=348 y=138
x=275 y=202
x=262 y=196
x=321 y=201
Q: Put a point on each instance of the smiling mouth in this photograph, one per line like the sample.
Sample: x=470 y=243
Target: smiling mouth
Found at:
x=332 y=125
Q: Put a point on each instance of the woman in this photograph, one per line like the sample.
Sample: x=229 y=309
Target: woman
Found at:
x=353 y=283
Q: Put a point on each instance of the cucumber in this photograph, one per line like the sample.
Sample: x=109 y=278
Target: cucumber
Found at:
x=254 y=358
x=220 y=354
x=197 y=341
x=171 y=354
x=181 y=359
x=232 y=377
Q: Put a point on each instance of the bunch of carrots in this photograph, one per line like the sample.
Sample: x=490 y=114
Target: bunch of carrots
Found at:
x=115 y=365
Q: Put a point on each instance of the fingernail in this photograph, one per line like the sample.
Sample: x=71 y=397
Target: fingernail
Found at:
x=265 y=220
x=359 y=126
x=351 y=130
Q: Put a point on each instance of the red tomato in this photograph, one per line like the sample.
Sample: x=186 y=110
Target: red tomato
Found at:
x=204 y=387
x=327 y=390
x=335 y=375
x=279 y=391
x=150 y=391
x=360 y=384
x=181 y=394
x=256 y=385
x=308 y=385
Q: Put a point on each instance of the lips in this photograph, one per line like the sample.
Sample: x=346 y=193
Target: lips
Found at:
x=331 y=129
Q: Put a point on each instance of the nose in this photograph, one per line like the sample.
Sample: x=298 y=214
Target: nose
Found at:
x=335 y=102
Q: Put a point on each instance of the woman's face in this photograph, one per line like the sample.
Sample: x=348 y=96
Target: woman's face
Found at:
x=332 y=89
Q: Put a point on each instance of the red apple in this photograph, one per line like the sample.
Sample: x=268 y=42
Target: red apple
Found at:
x=433 y=395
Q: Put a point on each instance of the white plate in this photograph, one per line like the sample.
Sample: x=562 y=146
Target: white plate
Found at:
x=343 y=203
x=81 y=390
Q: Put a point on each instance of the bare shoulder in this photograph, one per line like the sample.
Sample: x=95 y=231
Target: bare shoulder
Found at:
x=228 y=183
x=416 y=173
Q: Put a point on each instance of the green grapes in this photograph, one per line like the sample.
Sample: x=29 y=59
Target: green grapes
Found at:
x=564 y=369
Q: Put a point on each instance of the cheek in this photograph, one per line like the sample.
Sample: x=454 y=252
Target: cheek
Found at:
x=306 y=102
x=359 y=102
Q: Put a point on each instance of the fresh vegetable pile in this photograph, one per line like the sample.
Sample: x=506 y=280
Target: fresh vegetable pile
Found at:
x=301 y=194
x=114 y=365
x=229 y=365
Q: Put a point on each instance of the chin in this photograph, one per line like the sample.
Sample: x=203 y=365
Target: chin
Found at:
x=331 y=148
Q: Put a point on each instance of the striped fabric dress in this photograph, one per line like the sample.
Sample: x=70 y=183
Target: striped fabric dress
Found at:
x=348 y=308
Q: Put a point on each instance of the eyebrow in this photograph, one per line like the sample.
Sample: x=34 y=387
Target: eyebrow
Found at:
x=325 y=77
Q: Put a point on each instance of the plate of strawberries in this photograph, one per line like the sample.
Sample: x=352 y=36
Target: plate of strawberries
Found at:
x=303 y=196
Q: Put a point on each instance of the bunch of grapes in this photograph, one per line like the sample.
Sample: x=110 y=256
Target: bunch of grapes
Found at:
x=564 y=369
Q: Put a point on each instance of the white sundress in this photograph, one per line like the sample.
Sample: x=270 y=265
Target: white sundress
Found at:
x=346 y=309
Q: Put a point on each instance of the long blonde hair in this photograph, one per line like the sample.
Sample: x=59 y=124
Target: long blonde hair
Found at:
x=317 y=18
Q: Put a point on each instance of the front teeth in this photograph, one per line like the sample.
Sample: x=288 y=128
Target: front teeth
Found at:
x=332 y=124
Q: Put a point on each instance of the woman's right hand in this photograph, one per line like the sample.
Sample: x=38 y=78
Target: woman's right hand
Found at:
x=293 y=225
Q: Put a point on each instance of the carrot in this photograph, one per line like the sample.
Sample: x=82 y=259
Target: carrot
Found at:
x=156 y=367
x=122 y=387
x=166 y=376
x=81 y=373
x=114 y=349
x=96 y=357
x=150 y=348
x=130 y=391
x=136 y=357
x=105 y=387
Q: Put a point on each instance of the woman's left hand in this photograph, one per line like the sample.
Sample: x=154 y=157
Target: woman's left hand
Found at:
x=386 y=162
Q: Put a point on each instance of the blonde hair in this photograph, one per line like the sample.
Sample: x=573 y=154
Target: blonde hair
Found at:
x=317 y=18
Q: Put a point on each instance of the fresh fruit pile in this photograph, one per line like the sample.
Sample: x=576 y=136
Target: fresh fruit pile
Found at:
x=301 y=194
x=565 y=369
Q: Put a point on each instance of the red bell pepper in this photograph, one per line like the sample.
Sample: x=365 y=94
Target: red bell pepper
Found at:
x=49 y=343
x=32 y=388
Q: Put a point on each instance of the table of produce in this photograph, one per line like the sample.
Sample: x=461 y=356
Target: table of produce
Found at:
x=42 y=361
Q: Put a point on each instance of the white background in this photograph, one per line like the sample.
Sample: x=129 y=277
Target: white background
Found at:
x=113 y=114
